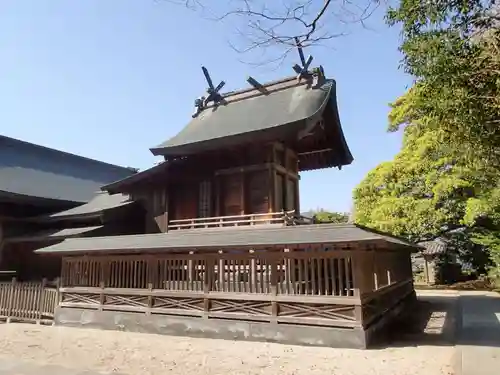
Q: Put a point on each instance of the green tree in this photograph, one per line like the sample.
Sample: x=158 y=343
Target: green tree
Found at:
x=323 y=216
x=446 y=175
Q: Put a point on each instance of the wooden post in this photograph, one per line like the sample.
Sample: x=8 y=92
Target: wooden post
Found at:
x=358 y=314
x=253 y=274
x=10 y=305
x=150 y=299
x=102 y=297
x=375 y=267
x=207 y=284
x=222 y=272
x=218 y=199
x=359 y=270
x=426 y=270
x=165 y=214
x=274 y=290
x=58 y=293
x=40 y=302
x=297 y=196
x=272 y=189
x=1 y=243
x=242 y=192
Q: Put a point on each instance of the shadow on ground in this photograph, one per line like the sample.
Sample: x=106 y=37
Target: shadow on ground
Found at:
x=464 y=318
x=431 y=320
x=480 y=320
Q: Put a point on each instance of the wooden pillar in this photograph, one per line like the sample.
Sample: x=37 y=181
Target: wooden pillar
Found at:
x=297 y=196
x=253 y=275
x=208 y=284
x=288 y=277
x=272 y=189
x=222 y=272
x=242 y=193
x=1 y=244
x=274 y=288
x=191 y=271
x=166 y=208
x=218 y=199
x=426 y=270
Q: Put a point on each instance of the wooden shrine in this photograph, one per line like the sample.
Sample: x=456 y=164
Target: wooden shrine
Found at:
x=224 y=251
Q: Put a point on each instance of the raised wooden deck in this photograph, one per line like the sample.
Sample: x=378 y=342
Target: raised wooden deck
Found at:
x=318 y=286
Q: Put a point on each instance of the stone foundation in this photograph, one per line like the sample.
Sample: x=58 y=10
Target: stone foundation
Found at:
x=355 y=338
x=212 y=328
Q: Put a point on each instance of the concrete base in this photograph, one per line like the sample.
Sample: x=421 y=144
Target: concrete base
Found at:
x=356 y=338
x=212 y=328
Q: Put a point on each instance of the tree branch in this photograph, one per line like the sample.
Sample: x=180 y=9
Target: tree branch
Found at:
x=263 y=24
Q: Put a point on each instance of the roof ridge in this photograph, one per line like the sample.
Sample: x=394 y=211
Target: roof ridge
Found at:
x=54 y=150
x=267 y=84
x=263 y=90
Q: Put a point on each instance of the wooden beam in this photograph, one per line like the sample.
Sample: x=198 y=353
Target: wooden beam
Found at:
x=242 y=193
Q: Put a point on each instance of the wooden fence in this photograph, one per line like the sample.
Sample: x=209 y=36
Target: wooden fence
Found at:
x=314 y=287
x=28 y=301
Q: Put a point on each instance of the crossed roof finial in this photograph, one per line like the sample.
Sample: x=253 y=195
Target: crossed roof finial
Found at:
x=213 y=94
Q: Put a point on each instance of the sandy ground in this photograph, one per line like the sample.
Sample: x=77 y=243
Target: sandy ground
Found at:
x=135 y=353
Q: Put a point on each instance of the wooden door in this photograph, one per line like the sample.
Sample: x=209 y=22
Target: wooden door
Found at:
x=185 y=201
x=257 y=192
x=231 y=191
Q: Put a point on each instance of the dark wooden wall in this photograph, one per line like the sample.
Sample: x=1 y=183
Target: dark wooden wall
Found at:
x=249 y=180
x=28 y=265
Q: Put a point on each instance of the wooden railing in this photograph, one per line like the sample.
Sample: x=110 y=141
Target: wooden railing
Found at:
x=284 y=218
x=322 y=285
x=28 y=301
x=310 y=310
x=229 y=221
x=302 y=287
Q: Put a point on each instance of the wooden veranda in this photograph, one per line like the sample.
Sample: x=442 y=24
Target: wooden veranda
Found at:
x=347 y=286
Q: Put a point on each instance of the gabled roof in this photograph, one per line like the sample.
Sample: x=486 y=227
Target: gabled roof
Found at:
x=280 y=110
x=99 y=204
x=54 y=234
x=224 y=238
x=114 y=186
x=31 y=170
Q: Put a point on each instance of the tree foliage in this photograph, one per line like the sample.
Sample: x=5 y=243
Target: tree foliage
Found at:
x=446 y=175
x=323 y=216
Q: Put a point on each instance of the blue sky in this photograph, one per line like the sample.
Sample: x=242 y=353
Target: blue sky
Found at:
x=109 y=79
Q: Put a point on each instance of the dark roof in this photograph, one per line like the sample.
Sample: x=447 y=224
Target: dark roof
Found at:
x=53 y=234
x=100 y=203
x=139 y=176
x=223 y=238
x=434 y=247
x=282 y=109
x=31 y=170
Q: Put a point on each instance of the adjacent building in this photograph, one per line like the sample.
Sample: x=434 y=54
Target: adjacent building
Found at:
x=39 y=187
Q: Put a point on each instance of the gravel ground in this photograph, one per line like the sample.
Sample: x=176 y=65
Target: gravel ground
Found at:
x=135 y=353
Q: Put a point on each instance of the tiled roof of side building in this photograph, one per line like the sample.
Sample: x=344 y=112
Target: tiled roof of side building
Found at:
x=225 y=238
x=99 y=204
x=55 y=234
x=434 y=247
x=31 y=170
x=277 y=110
